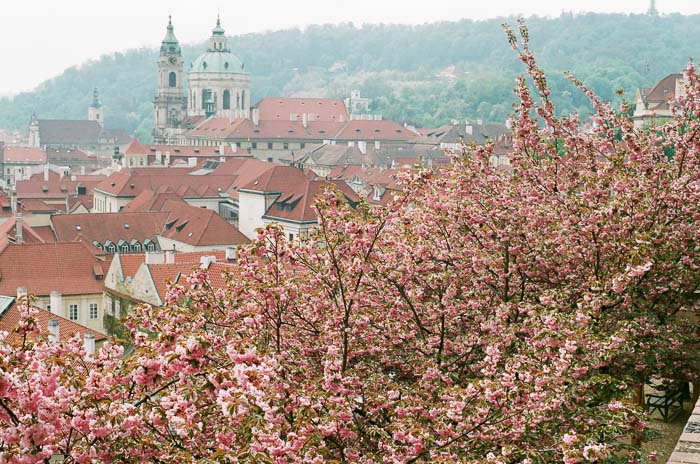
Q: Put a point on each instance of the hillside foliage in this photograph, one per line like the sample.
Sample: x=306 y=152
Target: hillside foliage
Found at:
x=397 y=66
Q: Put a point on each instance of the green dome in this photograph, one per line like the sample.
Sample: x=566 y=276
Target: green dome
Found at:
x=217 y=62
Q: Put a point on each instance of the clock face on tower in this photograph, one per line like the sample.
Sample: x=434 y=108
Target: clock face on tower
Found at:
x=173 y=59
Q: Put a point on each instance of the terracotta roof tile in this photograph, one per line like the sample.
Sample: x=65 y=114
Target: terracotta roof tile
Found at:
x=199 y=226
x=322 y=109
x=25 y=155
x=9 y=321
x=101 y=227
x=44 y=267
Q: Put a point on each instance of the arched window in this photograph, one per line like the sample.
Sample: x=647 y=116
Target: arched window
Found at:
x=172 y=79
x=205 y=93
x=227 y=100
x=242 y=99
x=238 y=100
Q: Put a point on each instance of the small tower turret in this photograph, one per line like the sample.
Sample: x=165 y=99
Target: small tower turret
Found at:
x=95 y=112
x=34 y=141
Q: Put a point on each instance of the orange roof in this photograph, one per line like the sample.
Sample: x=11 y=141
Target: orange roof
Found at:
x=56 y=186
x=46 y=233
x=36 y=205
x=135 y=147
x=130 y=183
x=8 y=229
x=285 y=109
x=101 y=227
x=199 y=226
x=298 y=206
x=44 y=267
x=384 y=129
x=664 y=90
x=25 y=155
x=9 y=320
x=148 y=200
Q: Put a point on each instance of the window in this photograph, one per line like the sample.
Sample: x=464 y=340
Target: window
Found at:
x=269 y=159
x=286 y=146
x=73 y=312
x=254 y=145
x=93 y=310
x=227 y=100
x=303 y=145
x=124 y=248
x=269 y=145
x=112 y=248
x=242 y=99
x=291 y=237
x=172 y=79
x=48 y=307
x=81 y=190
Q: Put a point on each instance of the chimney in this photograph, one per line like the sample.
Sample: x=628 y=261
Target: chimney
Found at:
x=82 y=170
x=73 y=178
x=22 y=293
x=222 y=150
x=234 y=147
x=230 y=254
x=56 y=302
x=206 y=261
x=170 y=256
x=255 y=116
x=159 y=159
x=89 y=344
x=167 y=158
x=19 y=238
x=479 y=122
x=192 y=161
x=13 y=200
x=46 y=173
x=154 y=257
x=469 y=129
x=362 y=146
x=305 y=120
x=377 y=144
x=54 y=331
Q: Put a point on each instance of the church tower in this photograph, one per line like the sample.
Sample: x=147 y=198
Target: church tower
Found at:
x=34 y=140
x=170 y=103
x=95 y=112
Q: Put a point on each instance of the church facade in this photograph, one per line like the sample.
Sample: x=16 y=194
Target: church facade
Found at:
x=217 y=86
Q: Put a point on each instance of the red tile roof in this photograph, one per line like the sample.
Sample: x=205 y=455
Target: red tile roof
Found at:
x=298 y=206
x=8 y=229
x=199 y=226
x=56 y=186
x=9 y=320
x=44 y=267
x=25 y=155
x=101 y=227
x=46 y=233
x=242 y=172
x=374 y=130
x=148 y=200
x=35 y=205
x=130 y=183
x=284 y=129
x=321 y=109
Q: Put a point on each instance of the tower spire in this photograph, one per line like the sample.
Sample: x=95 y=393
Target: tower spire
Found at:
x=652 y=9
x=95 y=99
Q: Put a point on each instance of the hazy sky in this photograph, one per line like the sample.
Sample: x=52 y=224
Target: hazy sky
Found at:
x=40 y=38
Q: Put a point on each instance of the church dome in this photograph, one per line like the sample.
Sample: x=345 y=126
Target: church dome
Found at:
x=217 y=62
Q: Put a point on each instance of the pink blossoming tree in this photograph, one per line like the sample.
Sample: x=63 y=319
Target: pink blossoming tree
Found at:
x=483 y=316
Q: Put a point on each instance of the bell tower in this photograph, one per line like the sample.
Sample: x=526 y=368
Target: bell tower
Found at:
x=170 y=103
x=95 y=112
